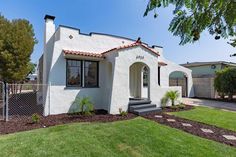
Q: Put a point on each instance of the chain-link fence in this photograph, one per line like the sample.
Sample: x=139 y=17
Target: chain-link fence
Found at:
x=2 y=97
x=24 y=100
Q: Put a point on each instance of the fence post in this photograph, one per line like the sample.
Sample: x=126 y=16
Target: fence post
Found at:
x=6 y=95
x=49 y=98
x=3 y=100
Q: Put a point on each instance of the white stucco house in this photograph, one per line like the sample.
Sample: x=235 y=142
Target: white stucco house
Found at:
x=113 y=71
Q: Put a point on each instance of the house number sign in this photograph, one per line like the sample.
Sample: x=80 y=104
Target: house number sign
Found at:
x=139 y=57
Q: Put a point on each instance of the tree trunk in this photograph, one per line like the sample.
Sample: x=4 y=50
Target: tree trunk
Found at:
x=222 y=95
x=173 y=102
x=230 y=96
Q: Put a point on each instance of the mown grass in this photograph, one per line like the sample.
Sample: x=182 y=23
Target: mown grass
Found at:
x=136 y=138
x=217 y=117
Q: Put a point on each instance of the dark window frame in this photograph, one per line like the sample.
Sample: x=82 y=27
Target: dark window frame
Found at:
x=82 y=74
x=97 y=85
x=146 y=73
x=159 y=75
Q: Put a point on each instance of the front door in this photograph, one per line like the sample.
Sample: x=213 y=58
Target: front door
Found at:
x=139 y=81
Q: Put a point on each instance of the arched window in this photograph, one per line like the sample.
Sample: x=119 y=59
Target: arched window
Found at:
x=145 y=76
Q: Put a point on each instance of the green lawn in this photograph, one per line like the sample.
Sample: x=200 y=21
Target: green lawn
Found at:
x=138 y=137
x=217 y=117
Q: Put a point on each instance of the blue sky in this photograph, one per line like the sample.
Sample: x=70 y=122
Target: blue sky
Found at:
x=118 y=17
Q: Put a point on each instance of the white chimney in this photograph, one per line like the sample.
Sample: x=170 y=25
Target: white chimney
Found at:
x=49 y=28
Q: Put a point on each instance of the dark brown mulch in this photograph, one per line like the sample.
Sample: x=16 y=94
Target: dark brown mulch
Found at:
x=195 y=129
x=171 y=109
x=17 y=125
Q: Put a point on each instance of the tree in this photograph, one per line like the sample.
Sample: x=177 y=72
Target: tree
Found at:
x=17 y=40
x=225 y=82
x=192 y=17
x=31 y=67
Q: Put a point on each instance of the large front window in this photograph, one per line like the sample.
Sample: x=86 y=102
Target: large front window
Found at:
x=82 y=73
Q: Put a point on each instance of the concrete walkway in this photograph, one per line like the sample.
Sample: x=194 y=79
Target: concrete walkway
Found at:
x=210 y=103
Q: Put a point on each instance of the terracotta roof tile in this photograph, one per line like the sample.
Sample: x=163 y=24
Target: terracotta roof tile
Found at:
x=133 y=45
x=162 y=63
x=101 y=55
x=81 y=53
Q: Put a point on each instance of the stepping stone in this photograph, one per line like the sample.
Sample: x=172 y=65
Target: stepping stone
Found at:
x=229 y=137
x=186 y=124
x=158 y=116
x=170 y=120
x=207 y=130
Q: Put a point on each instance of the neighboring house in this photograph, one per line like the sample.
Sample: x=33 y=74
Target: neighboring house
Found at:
x=112 y=70
x=32 y=77
x=203 y=76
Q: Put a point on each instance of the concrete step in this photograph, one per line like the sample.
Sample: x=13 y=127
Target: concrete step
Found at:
x=142 y=106
x=145 y=111
x=139 y=102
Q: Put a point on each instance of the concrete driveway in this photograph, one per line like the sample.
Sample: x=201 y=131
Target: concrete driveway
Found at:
x=210 y=103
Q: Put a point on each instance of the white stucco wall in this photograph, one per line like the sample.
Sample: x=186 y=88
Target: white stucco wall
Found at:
x=113 y=91
x=171 y=67
x=122 y=61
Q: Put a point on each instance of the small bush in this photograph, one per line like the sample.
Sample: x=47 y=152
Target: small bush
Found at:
x=164 y=101
x=122 y=113
x=181 y=106
x=35 y=118
x=174 y=107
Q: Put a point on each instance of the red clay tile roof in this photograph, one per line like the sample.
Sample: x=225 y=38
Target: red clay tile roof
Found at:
x=162 y=64
x=87 y=54
x=133 y=45
x=101 y=55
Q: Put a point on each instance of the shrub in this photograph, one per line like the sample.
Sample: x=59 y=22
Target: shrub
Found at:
x=225 y=82
x=84 y=105
x=181 y=106
x=174 y=107
x=122 y=113
x=164 y=101
x=35 y=118
x=170 y=96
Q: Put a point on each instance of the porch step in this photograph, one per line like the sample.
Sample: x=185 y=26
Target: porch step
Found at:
x=139 y=102
x=142 y=106
x=146 y=110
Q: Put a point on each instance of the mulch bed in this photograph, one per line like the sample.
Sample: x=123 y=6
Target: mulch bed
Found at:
x=17 y=125
x=195 y=129
x=170 y=109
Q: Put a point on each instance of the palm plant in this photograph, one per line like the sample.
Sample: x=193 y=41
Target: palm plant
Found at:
x=85 y=105
x=170 y=96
